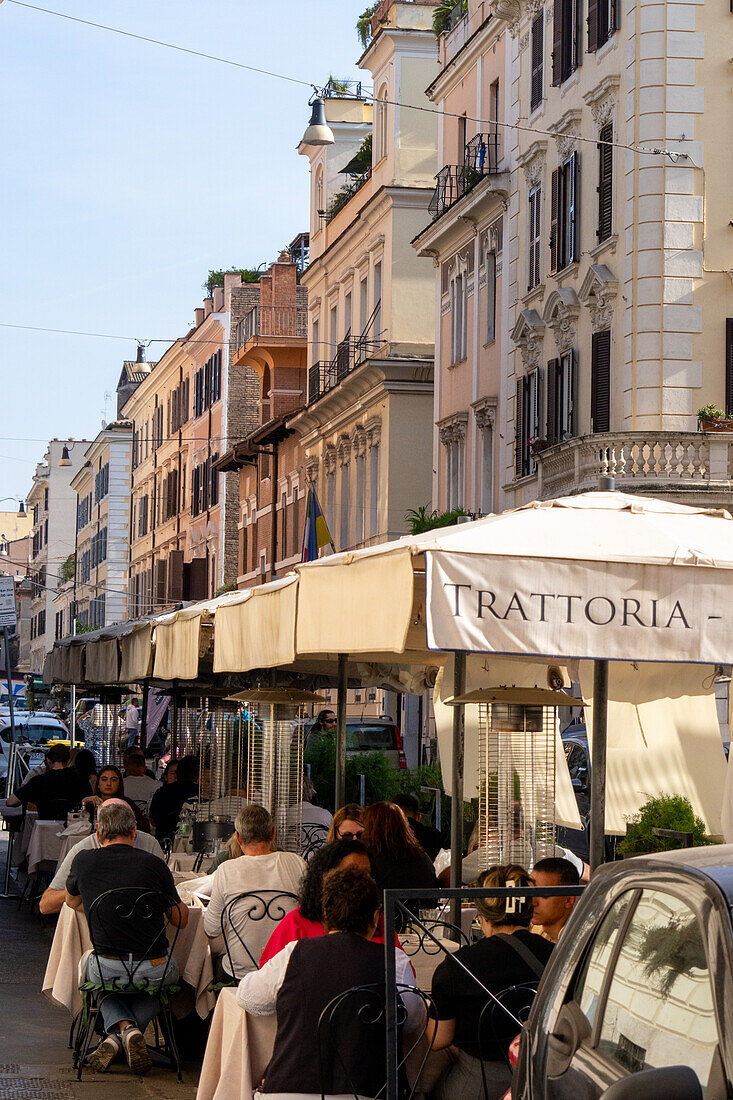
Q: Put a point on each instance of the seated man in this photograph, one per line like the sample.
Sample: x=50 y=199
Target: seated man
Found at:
x=55 y=791
x=302 y=979
x=427 y=837
x=53 y=897
x=550 y=914
x=138 y=784
x=124 y=936
x=259 y=868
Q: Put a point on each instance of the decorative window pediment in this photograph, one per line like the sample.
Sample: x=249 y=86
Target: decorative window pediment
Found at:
x=598 y=293
x=527 y=335
x=561 y=314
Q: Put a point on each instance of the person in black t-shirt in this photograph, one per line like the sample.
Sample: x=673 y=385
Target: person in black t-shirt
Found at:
x=55 y=791
x=398 y=861
x=508 y=955
x=429 y=839
x=167 y=802
x=129 y=932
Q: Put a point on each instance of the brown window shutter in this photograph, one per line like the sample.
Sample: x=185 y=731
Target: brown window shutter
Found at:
x=613 y=16
x=518 y=423
x=175 y=576
x=729 y=365
x=553 y=367
x=600 y=376
x=160 y=575
x=572 y=203
x=593 y=11
x=197 y=575
x=573 y=388
x=557 y=37
x=554 y=219
x=605 y=183
x=538 y=53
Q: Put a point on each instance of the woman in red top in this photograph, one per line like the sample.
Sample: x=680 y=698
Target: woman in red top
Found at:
x=305 y=921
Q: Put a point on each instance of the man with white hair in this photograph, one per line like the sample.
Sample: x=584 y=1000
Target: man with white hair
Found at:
x=124 y=933
x=260 y=868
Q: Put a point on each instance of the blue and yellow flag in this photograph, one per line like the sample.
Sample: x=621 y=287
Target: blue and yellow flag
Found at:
x=315 y=533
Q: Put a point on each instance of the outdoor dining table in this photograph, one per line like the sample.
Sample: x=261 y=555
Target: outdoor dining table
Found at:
x=184 y=861
x=237 y=1051
x=191 y=952
x=23 y=837
x=45 y=843
x=68 y=842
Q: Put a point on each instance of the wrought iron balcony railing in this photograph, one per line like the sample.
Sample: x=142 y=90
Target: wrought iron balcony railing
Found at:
x=327 y=374
x=272 y=321
x=456 y=180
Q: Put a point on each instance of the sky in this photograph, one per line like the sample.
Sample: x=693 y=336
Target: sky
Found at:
x=127 y=172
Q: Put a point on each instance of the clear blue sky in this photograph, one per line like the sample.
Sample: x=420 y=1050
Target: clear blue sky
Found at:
x=127 y=172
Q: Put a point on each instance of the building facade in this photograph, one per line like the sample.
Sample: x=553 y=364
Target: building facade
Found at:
x=366 y=430
x=51 y=503
x=102 y=489
x=465 y=240
x=271 y=341
x=618 y=248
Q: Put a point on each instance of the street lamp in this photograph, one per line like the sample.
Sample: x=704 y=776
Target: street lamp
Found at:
x=21 y=505
x=318 y=131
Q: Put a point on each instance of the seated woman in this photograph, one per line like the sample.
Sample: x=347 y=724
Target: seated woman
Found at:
x=303 y=978
x=111 y=784
x=398 y=861
x=304 y=922
x=508 y=955
x=346 y=823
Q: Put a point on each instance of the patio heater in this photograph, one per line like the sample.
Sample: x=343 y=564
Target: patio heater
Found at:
x=274 y=721
x=518 y=738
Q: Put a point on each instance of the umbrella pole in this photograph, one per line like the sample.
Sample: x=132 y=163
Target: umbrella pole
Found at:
x=343 y=676
x=456 y=792
x=598 y=765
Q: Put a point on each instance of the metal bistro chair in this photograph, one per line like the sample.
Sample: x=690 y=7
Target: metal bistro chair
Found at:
x=236 y=917
x=146 y=911
x=504 y=1018
x=340 y=1059
x=166 y=845
x=206 y=836
x=313 y=838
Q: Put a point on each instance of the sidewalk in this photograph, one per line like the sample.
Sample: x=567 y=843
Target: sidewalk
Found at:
x=35 y=1061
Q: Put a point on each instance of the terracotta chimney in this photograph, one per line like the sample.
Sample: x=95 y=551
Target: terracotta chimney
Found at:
x=199 y=315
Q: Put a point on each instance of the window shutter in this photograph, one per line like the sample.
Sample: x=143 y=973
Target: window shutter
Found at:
x=531 y=274
x=613 y=16
x=538 y=51
x=593 y=12
x=538 y=403
x=552 y=375
x=600 y=398
x=729 y=365
x=518 y=422
x=175 y=576
x=572 y=387
x=605 y=183
x=160 y=573
x=557 y=37
x=554 y=218
x=573 y=207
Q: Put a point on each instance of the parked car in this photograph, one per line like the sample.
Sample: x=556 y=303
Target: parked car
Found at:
x=376 y=735
x=637 y=998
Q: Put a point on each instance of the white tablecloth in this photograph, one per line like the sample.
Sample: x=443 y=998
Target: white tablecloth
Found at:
x=184 y=861
x=71 y=940
x=237 y=1051
x=45 y=843
x=68 y=842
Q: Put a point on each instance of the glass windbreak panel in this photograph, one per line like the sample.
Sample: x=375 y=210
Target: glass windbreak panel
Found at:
x=659 y=1010
x=370 y=737
x=588 y=987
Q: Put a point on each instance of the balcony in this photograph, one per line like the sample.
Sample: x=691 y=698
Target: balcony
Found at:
x=327 y=374
x=456 y=180
x=654 y=462
x=268 y=321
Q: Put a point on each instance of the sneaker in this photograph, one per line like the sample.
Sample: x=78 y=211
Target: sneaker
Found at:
x=103 y=1057
x=136 y=1050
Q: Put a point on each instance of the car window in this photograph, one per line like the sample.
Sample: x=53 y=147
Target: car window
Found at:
x=659 y=1010
x=577 y=760
x=588 y=987
x=40 y=734
x=370 y=737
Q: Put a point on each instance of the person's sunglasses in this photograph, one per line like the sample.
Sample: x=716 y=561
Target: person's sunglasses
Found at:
x=329 y=721
x=351 y=836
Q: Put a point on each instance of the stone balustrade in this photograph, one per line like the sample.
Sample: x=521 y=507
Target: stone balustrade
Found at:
x=660 y=461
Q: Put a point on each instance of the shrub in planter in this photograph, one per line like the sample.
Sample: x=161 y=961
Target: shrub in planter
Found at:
x=668 y=811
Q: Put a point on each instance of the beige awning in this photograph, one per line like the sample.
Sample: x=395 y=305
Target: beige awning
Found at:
x=102 y=661
x=72 y=664
x=183 y=637
x=663 y=738
x=136 y=653
x=258 y=629
x=49 y=665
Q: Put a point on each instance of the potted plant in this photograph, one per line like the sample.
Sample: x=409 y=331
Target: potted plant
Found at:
x=710 y=418
x=668 y=811
x=537 y=444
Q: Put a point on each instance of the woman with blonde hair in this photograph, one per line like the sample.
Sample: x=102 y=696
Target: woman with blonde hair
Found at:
x=346 y=823
x=509 y=955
